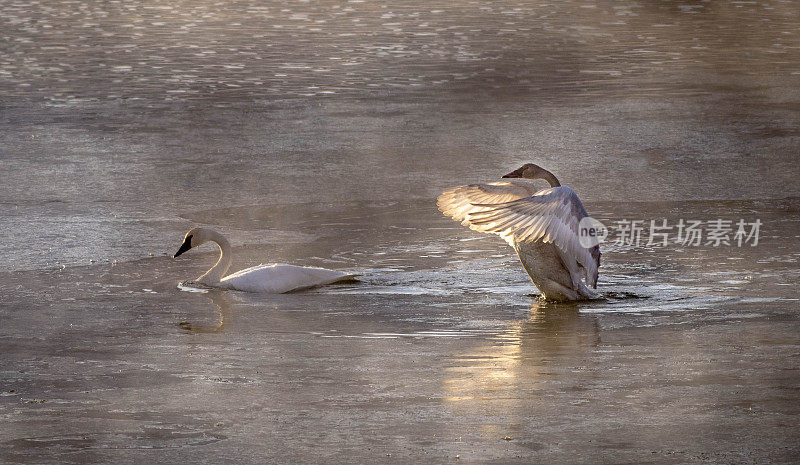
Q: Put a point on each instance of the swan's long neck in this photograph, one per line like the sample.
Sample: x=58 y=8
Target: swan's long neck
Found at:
x=550 y=178
x=215 y=274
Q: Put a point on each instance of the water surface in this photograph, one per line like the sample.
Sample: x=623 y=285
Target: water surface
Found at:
x=321 y=134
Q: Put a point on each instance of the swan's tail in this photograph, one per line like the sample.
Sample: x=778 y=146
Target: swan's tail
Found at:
x=348 y=278
x=320 y=277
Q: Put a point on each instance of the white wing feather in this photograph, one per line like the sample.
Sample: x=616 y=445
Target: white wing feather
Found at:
x=459 y=202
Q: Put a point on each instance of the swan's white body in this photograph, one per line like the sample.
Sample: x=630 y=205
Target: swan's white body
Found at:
x=280 y=278
x=540 y=224
x=274 y=279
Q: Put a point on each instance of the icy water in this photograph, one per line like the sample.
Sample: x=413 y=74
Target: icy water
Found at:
x=321 y=133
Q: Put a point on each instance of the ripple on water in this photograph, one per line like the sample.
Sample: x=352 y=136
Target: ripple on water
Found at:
x=384 y=48
x=152 y=437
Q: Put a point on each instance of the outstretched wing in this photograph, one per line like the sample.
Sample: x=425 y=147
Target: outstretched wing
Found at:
x=459 y=202
x=550 y=215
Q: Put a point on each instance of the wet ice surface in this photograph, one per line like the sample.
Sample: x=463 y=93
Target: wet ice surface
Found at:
x=321 y=135
x=438 y=351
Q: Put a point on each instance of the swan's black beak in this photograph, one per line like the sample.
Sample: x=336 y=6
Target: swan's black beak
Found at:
x=516 y=173
x=187 y=244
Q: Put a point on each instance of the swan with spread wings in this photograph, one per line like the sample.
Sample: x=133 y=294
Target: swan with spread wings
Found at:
x=542 y=225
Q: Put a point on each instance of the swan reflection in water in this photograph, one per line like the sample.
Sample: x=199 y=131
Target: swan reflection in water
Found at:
x=521 y=359
x=221 y=300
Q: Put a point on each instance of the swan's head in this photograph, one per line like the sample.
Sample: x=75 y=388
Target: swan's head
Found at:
x=528 y=171
x=193 y=238
x=531 y=171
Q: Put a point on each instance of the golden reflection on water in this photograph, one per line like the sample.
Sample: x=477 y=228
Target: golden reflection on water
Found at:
x=515 y=362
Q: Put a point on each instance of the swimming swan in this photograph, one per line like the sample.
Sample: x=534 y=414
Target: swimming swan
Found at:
x=275 y=279
x=540 y=224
